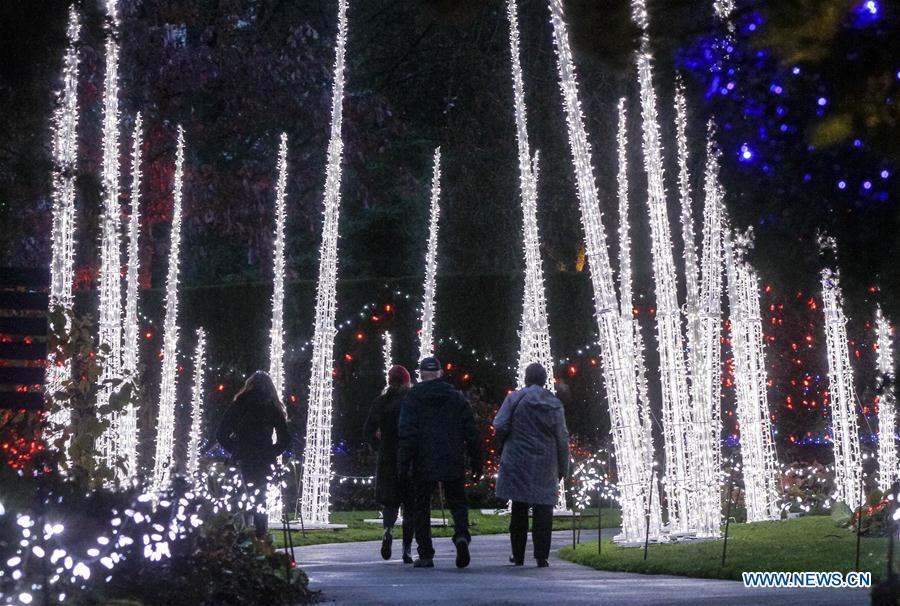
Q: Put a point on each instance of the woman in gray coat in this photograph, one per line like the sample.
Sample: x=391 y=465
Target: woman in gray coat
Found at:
x=531 y=427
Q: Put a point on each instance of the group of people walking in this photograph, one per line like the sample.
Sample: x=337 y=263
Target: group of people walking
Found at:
x=424 y=433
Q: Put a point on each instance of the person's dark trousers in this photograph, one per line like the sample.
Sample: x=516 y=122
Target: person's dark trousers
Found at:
x=455 y=497
x=391 y=511
x=542 y=528
x=255 y=481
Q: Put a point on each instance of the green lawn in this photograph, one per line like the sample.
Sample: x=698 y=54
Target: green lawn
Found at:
x=357 y=530
x=811 y=543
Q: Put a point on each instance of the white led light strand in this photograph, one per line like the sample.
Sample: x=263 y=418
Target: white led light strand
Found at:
x=534 y=334
x=676 y=403
x=165 y=421
x=387 y=352
x=627 y=432
x=193 y=450
x=274 y=503
x=723 y=8
x=888 y=466
x=65 y=160
x=760 y=465
x=630 y=324
x=276 y=335
x=126 y=423
x=844 y=422
x=426 y=332
x=316 y=490
x=706 y=419
x=110 y=313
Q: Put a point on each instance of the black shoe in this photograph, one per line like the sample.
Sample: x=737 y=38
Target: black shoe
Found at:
x=543 y=563
x=407 y=557
x=423 y=563
x=386 y=544
x=515 y=562
x=462 y=552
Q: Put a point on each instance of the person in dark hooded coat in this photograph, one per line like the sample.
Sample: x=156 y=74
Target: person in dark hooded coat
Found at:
x=437 y=429
x=531 y=426
x=246 y=431
x=390 y=491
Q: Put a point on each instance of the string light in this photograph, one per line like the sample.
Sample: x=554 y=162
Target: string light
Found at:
x=426 y=333
x=165 y=421
x=65 y=160
x=757 y=445
x=888 y=467
x=534 y=333
x=617 y=365
x=630 y=324
x=126 y=425
x=274 y=503
x=316 y=488
x=110 y=323
x=193 y=451
x=678 y=431
x=387 y=348
x=845 y=429
x=276 y=334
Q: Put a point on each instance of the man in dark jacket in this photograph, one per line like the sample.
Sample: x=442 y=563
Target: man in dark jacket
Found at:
x=437 y=428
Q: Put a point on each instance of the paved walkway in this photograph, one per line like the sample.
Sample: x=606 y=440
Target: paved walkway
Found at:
x=354 y=573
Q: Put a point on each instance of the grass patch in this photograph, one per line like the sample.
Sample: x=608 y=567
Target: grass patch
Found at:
x=357 y=530
x=810 y=543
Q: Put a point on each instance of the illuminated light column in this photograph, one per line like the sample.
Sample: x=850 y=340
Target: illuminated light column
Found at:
x=888 y=467
x=630 y=324
x=193 y=451
x=65 y=160
x=723 y=8
x=126 y=423
x=274 y=503
x=110 y=313
x=617 y=363
x=760 y=465
x=844 y=422
x=426 y=332
x=165 y=421
x=387 y=352
x=534 y=335
x=315 y=499
x=676 y=402
x=705 y=451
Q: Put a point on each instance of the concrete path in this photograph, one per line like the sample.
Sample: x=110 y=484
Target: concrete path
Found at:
x=354 y=573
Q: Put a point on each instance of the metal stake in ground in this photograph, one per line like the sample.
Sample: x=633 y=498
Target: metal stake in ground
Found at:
x=599 y=521
x=647 y=516
x=290 y=538
x=859 y=514
x=728 y=514
x=285 y=533
x=441 y=495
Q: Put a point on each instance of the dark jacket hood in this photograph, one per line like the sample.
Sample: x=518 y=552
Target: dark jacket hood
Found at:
x=432 y=393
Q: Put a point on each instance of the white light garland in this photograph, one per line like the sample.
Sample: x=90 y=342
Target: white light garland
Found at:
x=630 y=324
x=723 y=8
x=316 y=490
x=110 y=313
x=844 y=422
x=387 y=352
x=65 y=160
x=888 y=467
x=628 y=436
x=760 y=465
x=534 y=334
x=426 y=332
x=676 y=403
x=165 y=422
x=706 y=371
x=274 y=504
x=126 y=423
x=276 y=334
x=193 y=450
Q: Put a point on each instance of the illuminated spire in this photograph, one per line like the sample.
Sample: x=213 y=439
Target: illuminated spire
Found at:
x=888 y=467
x=193 y=451
x=276 y=335
x=315 y=503
x=387 y=352
x=426 y=334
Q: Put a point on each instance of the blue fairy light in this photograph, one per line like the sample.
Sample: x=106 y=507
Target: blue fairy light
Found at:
x=822 y=101
x=746 y=153
x=867 y=185
x=885 y=174
x=842 y=184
